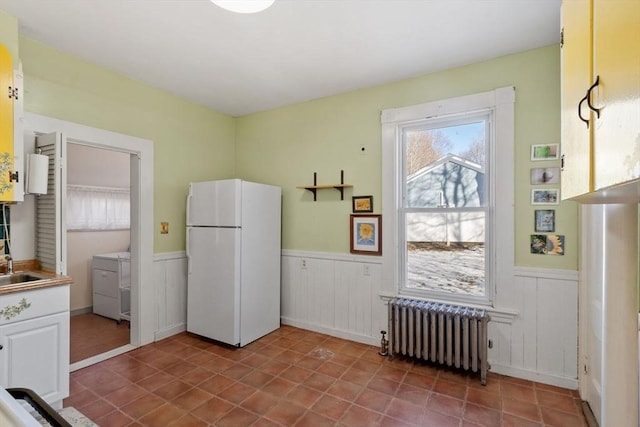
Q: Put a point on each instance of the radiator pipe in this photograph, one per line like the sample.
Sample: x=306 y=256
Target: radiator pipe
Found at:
x=384 y=344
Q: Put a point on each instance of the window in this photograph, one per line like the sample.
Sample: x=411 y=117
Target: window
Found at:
x=443 y=165
x=97 y=208
x=444 y=207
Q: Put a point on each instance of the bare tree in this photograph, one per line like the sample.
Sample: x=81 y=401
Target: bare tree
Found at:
x=475 y=152
x=424 y=148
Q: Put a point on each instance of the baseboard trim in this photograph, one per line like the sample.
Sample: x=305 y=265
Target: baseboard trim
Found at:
x=79 y=311
x=166 y=333
x=363 y=339
x=564 y=382
x=588 y=415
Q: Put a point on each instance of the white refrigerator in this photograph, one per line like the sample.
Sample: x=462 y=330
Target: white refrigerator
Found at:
x=233 y=252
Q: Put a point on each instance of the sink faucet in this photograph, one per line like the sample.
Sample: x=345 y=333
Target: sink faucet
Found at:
x=9 y=264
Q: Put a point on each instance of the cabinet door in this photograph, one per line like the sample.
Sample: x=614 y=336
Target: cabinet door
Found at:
x=6 y=125
x=575 y=79
x=35 y=355
x=617 y=63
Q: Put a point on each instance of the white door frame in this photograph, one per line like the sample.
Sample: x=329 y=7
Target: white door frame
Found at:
x=142 y=323
x=608 y=370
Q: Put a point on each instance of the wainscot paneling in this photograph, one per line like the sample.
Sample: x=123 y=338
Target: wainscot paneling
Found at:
x=334 y=294
x=533 y=329
x=170 y=285
x=540 y=342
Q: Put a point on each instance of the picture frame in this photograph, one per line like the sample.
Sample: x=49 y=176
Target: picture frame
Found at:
x=545 y=175
x=547 y=244
x=545 y=152
x=362 y=204
x=546 y=196
x=545 y=221
x=365 y=234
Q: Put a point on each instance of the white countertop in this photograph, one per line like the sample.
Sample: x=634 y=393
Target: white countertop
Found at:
x=114 y=255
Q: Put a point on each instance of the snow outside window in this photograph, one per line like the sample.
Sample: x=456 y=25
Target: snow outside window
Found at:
x=448 y=196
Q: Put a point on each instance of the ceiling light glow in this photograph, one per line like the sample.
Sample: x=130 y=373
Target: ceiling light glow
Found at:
x=243 y=6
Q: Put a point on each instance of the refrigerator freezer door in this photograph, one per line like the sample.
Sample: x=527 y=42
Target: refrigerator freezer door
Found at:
x=214 y=203
x=213 y=283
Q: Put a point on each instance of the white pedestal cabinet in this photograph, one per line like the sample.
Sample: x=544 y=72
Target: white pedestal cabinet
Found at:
x=112 y=285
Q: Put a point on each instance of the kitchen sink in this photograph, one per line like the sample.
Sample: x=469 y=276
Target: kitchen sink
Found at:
x=22 y=277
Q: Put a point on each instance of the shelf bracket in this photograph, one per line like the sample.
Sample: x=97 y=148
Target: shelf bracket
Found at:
x=315 y=183
x=341 y=187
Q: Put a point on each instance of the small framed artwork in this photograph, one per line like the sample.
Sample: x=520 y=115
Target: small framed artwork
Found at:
x=362 y=204
x=545 y=152
x=545 y=176
x=547 y=196
x=366 y=234
x=547 y=244
x=545 y=221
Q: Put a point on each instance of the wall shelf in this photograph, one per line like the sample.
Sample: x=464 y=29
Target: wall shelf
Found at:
x=313 y=188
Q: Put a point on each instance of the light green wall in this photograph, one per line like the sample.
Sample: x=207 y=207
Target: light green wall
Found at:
x=191 y=142
x=286 y=145
x=9 y=35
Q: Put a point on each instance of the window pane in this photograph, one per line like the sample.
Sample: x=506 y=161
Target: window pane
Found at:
x=445 y=252
x=445 y=166
x=445 y=191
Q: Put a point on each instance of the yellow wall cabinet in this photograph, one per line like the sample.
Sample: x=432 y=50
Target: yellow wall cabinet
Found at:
x=600 y=87
x=11 y=133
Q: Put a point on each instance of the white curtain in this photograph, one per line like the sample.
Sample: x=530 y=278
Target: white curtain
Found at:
x=97 y=208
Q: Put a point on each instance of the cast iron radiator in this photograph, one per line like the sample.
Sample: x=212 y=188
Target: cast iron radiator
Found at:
x=442 y=333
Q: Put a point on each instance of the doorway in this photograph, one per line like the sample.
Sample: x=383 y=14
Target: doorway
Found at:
x=98 y=226
x=140 y=154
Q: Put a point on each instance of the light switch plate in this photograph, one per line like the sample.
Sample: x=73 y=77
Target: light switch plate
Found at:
x=164 y=228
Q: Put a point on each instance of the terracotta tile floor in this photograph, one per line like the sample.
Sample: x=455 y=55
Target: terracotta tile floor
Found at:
x=92 y=335
x=294 y=377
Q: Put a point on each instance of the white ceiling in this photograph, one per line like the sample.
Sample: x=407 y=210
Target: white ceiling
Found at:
x=295 y=51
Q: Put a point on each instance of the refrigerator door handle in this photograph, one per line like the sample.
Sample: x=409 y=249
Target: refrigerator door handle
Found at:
x=189 y=205
x=187 y=250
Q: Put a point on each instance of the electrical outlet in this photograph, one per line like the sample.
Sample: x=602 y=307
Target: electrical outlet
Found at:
x=303 y=265
x=366 y=270
x=164 y=228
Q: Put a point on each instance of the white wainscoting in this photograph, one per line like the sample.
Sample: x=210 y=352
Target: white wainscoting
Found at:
x=170 y=290
x=335 y=294
x=541 y=343
x=534 y=333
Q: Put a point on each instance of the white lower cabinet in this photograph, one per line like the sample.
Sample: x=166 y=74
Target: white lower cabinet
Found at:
x=112 y=285
x=34 y=341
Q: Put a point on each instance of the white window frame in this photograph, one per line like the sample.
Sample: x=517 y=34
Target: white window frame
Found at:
x=499 y=239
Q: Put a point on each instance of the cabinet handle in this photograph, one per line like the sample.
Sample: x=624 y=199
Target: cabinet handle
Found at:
x=580 y=110
x=1 y=346
x=594 y=85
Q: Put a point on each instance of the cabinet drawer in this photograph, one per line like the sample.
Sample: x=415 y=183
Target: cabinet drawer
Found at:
x=106 y=306
x=20 y=306
x=105 y=264
x=105 y=283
